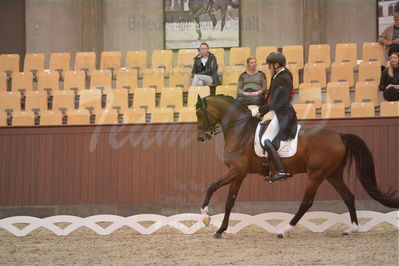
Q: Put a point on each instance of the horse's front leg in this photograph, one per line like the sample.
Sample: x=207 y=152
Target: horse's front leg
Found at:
x=227 y=178
x=198 y=27
x=223 y=12
x=231 y=198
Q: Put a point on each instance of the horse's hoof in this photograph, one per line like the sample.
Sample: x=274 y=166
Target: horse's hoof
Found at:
x=280 y=236
x=206 y=220
x=218 y=236
x=346 y=233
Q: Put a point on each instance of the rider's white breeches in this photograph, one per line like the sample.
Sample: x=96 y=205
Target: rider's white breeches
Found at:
x=272 y=130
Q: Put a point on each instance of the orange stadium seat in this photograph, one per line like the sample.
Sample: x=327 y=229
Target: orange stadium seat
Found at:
x=23 y=118
x=162 y=59
x=36 y=100
x=111 y=61
x=63 y=99
x=193 y=92
x=389 y=108
x=172 y=97
x=262 y=52
x=136 y=60
x=315 y=73
x=131 y=116
x=3 y=119
x=50 y=118
x=75 y=80
x=161 y=115
x=265 y=69
x=9 y=63
x=187 y=114
x=3 y=81
x=227 y=90
x=294 y=55
x=346 y=53
x=101 y=79
x=295 y=75
x=78 y=117
x=10 y=100
x=373 y=51
x=338 y=92
x=116 y=98
x=333 y=110
x=369 y=71
x=34 y=63
x=239 y=55
x=144 y=98
x=362 y=109
x=127 y=79
x=310 y=93
x=319 y=54
x=180 y=77
x=231 y=74
x=305 y=111
x=48 y=80
x=185 y=58
x=342 y=72
x=90 y=99
x=219 y=53
x=22 y=81
x=107 y=116
x=60 y=62
x=366 y=91
x=154 y=78
x=85 y=61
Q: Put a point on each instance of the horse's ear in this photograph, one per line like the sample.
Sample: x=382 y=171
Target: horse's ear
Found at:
x=200 y=103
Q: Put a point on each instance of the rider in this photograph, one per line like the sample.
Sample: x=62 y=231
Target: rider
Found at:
x=284 y=122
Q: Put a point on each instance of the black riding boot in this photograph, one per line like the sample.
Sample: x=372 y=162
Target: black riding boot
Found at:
x=275 y=159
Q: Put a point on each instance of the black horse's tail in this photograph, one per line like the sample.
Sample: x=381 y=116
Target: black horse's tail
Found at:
x=358 y=150
x=234 y=4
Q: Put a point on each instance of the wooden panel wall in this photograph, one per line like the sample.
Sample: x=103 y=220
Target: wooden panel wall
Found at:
x=159 y=163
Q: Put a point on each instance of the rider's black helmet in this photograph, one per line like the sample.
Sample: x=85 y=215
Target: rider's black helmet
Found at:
x=276 y=57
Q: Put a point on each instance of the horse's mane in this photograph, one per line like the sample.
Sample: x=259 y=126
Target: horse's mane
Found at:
x=244 y=137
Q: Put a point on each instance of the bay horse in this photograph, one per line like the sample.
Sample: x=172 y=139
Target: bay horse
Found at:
x=322 y=154
x=197 y=8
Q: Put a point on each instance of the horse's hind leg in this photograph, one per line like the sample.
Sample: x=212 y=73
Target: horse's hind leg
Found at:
x=314 y=182
x=231 y=198
x=338 y=183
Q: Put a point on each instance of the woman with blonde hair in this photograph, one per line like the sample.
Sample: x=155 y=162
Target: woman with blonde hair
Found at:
x=389 y=82
x=251 y=87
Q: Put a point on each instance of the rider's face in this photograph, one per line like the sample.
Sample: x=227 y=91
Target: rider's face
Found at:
x=204 y=50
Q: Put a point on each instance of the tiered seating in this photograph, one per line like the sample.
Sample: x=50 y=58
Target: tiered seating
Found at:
x=36 y=101
x=180 y=77
x=227 y=90
x=187 y=114
x=63 y=99
x=154 y=78
x=75 y=80
x=219 y=53
x=85 y=61
x=193 y=93
x=389 y=109
x=338 y=92
x=315 y=73
x=185 y=58
x=373 y=51
x=305 y=110
x=144 y=98
x=23 y=118
x=162 y=59
x=22 y=81
x=78 y=117
x=231 y=74
x=333 y=110
x=48 y=81
x=3 y=81
x=90 y=99
x=310 y=93
x=106 y=117
x=162 y=115
x=116 y=98
x=369 y=71
x=101 y=79
x=132 y=116
x=172 y=98
x=362 y=109
x=366 y=91
x=342 y=72
x=127 y=79
x=10 y=100
x=111 y=61
x=50 y=118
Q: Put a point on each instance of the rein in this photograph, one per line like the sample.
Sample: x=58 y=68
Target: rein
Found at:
x=213 y=130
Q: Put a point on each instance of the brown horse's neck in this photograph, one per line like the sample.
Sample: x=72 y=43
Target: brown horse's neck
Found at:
x=237 y=124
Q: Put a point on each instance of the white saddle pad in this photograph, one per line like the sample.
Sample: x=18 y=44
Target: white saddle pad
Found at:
x=287 y=148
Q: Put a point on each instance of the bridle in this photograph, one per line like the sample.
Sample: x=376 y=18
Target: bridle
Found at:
x=211 y=131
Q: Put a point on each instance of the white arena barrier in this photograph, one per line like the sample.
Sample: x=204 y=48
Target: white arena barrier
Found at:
x=243 y=220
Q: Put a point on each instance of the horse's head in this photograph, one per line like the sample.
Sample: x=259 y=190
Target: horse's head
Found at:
x=207 y=120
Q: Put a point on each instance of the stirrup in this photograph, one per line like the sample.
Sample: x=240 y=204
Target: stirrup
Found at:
x=278 y=176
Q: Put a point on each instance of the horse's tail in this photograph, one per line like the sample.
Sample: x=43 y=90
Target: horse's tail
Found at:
x=358 y=150
x=234 y=4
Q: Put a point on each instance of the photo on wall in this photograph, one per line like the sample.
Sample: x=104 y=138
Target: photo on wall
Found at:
x=386 y=9
x=191 y=22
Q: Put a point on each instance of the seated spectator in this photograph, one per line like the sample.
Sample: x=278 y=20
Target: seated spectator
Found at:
x=390 y=36
x=251 y=85
x=389 y=82
x=205 y=68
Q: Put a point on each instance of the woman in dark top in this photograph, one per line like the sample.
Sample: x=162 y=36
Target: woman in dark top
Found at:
x=205 y=68
x=389 y=82
x=251 y=87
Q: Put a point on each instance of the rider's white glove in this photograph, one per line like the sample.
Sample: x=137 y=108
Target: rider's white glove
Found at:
x=255 y=112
